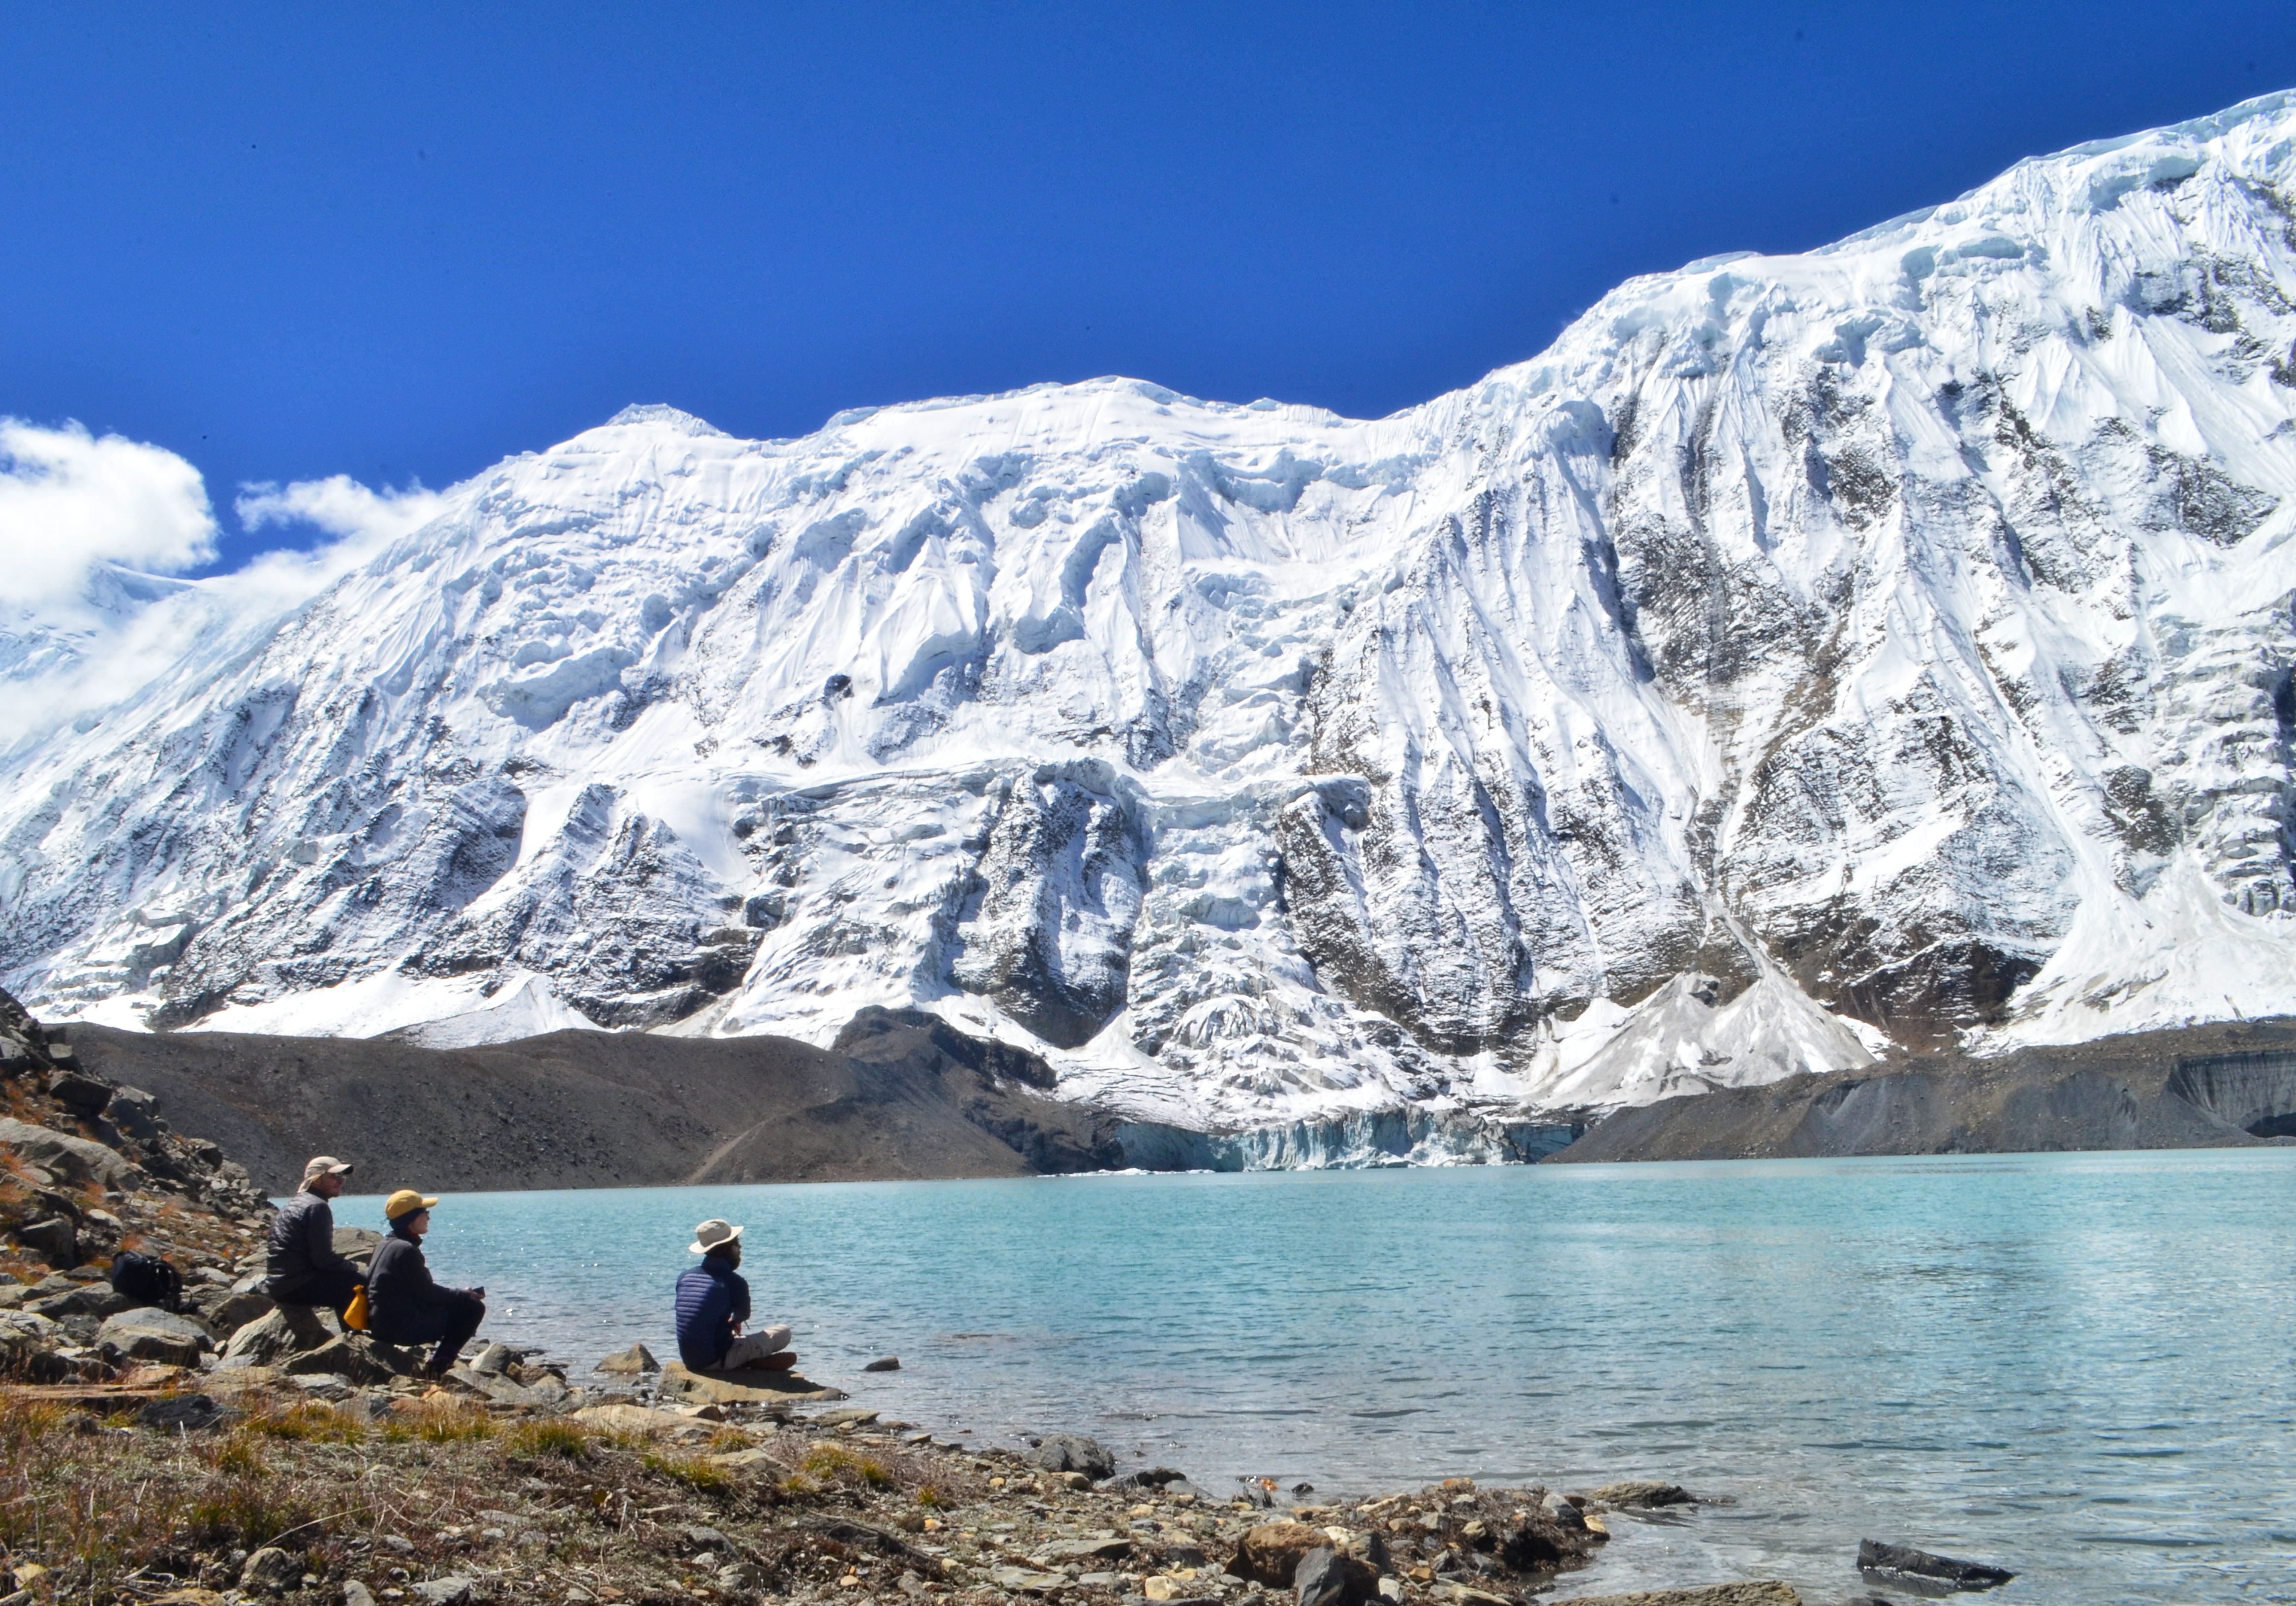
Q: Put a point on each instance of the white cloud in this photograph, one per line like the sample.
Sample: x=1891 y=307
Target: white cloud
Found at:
x=70 y=500
x=75 y=644
x=343 y=507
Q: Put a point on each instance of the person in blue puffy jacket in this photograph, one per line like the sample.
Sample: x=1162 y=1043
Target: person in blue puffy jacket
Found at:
x=713 y=1306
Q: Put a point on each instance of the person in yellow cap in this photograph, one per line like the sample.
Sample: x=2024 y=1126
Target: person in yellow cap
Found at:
x=404 y=1304
x=300 y=1265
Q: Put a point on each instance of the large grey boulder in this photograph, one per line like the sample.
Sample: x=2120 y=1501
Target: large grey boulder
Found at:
x=75 y=1159
x=81 y=1094
x=1074 y=1453
x=351 y=1357
x=97 y=1299
x=133 y=1111
x=149 y=1334
x=288 y=1329
x=54 y=1240
x=270 y=1571
x=228 y=1309
x=1330 y=1577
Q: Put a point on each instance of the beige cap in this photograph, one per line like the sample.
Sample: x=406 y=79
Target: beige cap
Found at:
x=712 y=1234
x=324 y=1165
x=404 y=1202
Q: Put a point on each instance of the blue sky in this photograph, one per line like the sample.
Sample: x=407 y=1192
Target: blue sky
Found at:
x=295 y=242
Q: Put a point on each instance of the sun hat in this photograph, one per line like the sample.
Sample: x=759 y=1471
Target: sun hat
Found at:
x=712 y=1234
x=404 y=1202
x=324 y=1165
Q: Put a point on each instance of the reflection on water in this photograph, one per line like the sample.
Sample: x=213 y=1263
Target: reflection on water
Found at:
x=2074 y=1365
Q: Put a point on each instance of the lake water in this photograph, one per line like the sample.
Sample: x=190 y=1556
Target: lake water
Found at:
x=2076 y=1365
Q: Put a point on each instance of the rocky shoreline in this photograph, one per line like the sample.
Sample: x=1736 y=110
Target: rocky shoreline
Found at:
x=229 y=1451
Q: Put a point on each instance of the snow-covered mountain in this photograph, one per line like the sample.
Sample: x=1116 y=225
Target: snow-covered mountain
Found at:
x=1887 y=644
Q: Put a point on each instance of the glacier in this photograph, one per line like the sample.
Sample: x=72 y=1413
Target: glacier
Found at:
x=1806 y=659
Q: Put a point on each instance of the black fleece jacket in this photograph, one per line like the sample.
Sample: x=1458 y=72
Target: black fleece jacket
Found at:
x=399 y=1285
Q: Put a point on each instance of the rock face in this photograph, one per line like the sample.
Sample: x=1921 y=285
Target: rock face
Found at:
x=1895 y=639
x=271 y=1571
x=1908 y=1567
x=2195 y=1088
x=1769 y=1593
x=1074 y=1453
x=154 y=1335
x=632 y=1362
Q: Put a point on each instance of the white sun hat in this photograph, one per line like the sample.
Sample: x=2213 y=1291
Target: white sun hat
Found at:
x=712 y=1234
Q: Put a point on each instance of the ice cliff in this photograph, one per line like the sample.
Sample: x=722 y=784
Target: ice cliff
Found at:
x=1891 y=643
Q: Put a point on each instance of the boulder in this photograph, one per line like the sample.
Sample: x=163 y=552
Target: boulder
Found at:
x=632 y=1362
x=632 y=1419
x=185 y=1412
x=454 y=1591
x=1149 y=1478
x=1271 y=1552
x=270 y=1571
x=1327 y=1578
x=133 y=1112
x=54 y=1240
x=81 y=1094
x=494 y=1360
x=285 y=1330
x=888 y=1363
x=349 y=1355
x=1085 y=1550
x=357 y=1245
x=746 y=1386
x=228 y=1309
x=1642 y=1495
x=74 y=1159
x=1902 y=1565
x=1074 y=1453
x=99 y=1300
x=149 y=1334
x=1770 y=1592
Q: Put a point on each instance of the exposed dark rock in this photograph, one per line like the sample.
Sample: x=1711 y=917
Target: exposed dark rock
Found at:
x=2216 y=1086
x=54 y=1240
x=906 y=1096
x=1904 y=1564
x=157 y=1336
x=1330 y=1577
x=1642 y=1495
x=190 y=1413
x=271 y=1571
x=83 y=1095
x=1074 y=1453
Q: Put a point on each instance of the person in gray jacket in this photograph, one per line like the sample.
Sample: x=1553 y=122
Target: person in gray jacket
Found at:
x=301 y=1266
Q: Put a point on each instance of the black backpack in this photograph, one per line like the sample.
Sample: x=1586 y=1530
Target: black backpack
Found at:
x=147 y=1280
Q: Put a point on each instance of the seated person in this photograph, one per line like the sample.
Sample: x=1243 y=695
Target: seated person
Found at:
x=404 y=1304
x=300 y=1265
x=713 y=1302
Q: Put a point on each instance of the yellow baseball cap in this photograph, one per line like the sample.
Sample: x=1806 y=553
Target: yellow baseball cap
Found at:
x=404 y=1202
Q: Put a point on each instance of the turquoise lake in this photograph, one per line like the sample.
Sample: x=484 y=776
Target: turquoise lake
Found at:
x=2078 y=1366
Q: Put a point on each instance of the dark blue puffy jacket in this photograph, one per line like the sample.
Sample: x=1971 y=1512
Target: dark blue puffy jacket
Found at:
x=711 y=1297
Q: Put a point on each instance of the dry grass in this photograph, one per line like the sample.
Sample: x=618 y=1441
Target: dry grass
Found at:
x=831 y=1464
x=696 y=1472
x=422 y=1492
x=311 y=1423
x=439 y=1423
x=563 y=1440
